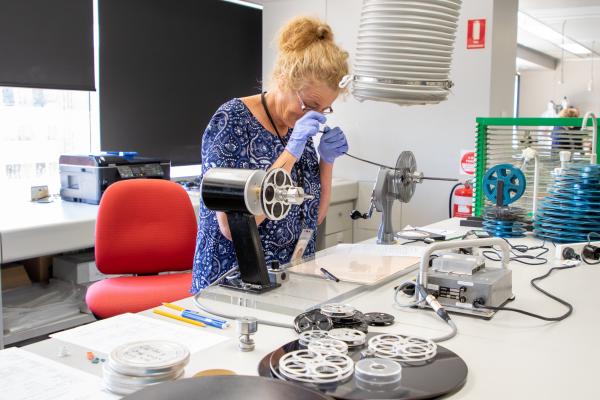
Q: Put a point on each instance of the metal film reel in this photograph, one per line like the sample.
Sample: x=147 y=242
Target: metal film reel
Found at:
x=351 y=337
x=310 y=367
x=338 y=310
x=275 y=207
x=402 y=348
x=148 y=357
x=404 y=179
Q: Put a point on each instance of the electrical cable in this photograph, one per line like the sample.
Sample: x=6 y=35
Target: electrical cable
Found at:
x=229 y=316
x=439 y=310
x=451 y=196
x=477 y=304
x=370 y=162
x=515 y=249
x=402 y=288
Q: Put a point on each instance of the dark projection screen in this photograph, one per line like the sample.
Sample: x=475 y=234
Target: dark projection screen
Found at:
x=47 y=44
x=167 y=65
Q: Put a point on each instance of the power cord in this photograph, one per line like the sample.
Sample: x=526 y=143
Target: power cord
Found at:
x=478 y=304
x=590 y=251
x=519 y=253
x=410 y=288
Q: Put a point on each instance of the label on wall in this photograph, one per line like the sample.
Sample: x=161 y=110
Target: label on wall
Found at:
x=467 y=162
x=476 y=34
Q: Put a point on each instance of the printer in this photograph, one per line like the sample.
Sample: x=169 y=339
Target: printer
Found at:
x=84 y=178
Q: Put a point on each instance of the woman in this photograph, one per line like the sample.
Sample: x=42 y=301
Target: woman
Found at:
x=275 y=130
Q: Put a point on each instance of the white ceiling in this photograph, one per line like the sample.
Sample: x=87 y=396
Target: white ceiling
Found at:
x=582 y=23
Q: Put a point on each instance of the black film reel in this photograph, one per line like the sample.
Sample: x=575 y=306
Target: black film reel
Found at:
x=312 y=320
x=379 y=319
x=356 y=321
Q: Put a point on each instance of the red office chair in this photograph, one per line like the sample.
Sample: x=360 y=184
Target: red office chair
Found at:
x=144 y=226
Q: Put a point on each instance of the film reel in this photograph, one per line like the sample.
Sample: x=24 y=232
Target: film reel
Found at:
x=308 y=336
x=351 y=337
x=571 y=210
x=273 y=206
x=402 y=348
x=379 y=319
x=328 y=346
x=312 y=320
x=310 y=367
x=338 y=310
x=356 y=321
x=513 y=181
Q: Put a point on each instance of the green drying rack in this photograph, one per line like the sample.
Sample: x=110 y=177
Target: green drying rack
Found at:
x=481 y=145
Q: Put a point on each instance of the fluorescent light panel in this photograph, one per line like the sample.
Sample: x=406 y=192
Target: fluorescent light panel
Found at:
x=576 y=48
x=245 y=3
x=543 y=31
x=539 y=29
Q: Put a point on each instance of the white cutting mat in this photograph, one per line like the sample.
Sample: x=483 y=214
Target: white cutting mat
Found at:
x=361 y=268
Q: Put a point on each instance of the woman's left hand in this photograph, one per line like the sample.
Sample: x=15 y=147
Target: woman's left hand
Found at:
x=333 y=144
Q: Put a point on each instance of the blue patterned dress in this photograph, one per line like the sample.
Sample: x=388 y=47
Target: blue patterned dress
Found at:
x=235 y=139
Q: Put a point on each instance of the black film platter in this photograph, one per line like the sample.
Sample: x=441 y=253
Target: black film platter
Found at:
x=443 y=374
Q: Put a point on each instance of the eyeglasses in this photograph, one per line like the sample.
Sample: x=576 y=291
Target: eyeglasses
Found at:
x=305 y=108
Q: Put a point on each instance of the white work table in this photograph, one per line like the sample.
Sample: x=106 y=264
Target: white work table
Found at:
x=512 y=356
x=29 y=229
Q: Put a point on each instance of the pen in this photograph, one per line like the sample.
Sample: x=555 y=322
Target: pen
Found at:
x=217 y=323
x=205 y=320
x=329 y=275
x=177 y=317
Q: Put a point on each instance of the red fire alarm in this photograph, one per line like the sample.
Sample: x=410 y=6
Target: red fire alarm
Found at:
x=476 y=34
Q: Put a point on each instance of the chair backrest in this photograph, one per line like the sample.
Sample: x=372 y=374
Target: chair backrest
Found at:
x=145 y=226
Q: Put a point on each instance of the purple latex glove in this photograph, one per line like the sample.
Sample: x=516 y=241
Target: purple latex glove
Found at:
x=333 y=144
x=305 y=128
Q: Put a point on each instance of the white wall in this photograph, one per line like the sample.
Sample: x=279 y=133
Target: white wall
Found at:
x=435 y=133
x=538 y=87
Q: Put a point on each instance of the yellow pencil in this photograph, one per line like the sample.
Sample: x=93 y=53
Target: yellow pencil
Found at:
x=177 y=317
x=173 y=306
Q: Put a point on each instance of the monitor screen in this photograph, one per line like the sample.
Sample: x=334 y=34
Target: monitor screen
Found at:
x=165 y=68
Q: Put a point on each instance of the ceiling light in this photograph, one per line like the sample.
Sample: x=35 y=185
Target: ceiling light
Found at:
x=575 y=48
x=539 y=29
x=533 y=26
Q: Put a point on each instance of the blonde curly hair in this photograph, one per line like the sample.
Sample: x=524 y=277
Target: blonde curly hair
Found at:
x=308 y=54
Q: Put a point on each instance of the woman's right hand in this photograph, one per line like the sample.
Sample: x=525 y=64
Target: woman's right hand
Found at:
x=305 y=128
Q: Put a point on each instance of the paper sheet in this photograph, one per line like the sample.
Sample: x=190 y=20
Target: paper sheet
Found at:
x=106 y=334
x=360 y=264
x=27 y=376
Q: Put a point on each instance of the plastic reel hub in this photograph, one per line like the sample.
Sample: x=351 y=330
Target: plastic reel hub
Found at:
x=512 y=178
x=378 y=371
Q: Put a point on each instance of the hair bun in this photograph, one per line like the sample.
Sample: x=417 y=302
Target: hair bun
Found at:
x=301 y=32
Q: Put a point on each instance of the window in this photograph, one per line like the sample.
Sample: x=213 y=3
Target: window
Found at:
x=36 y=127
